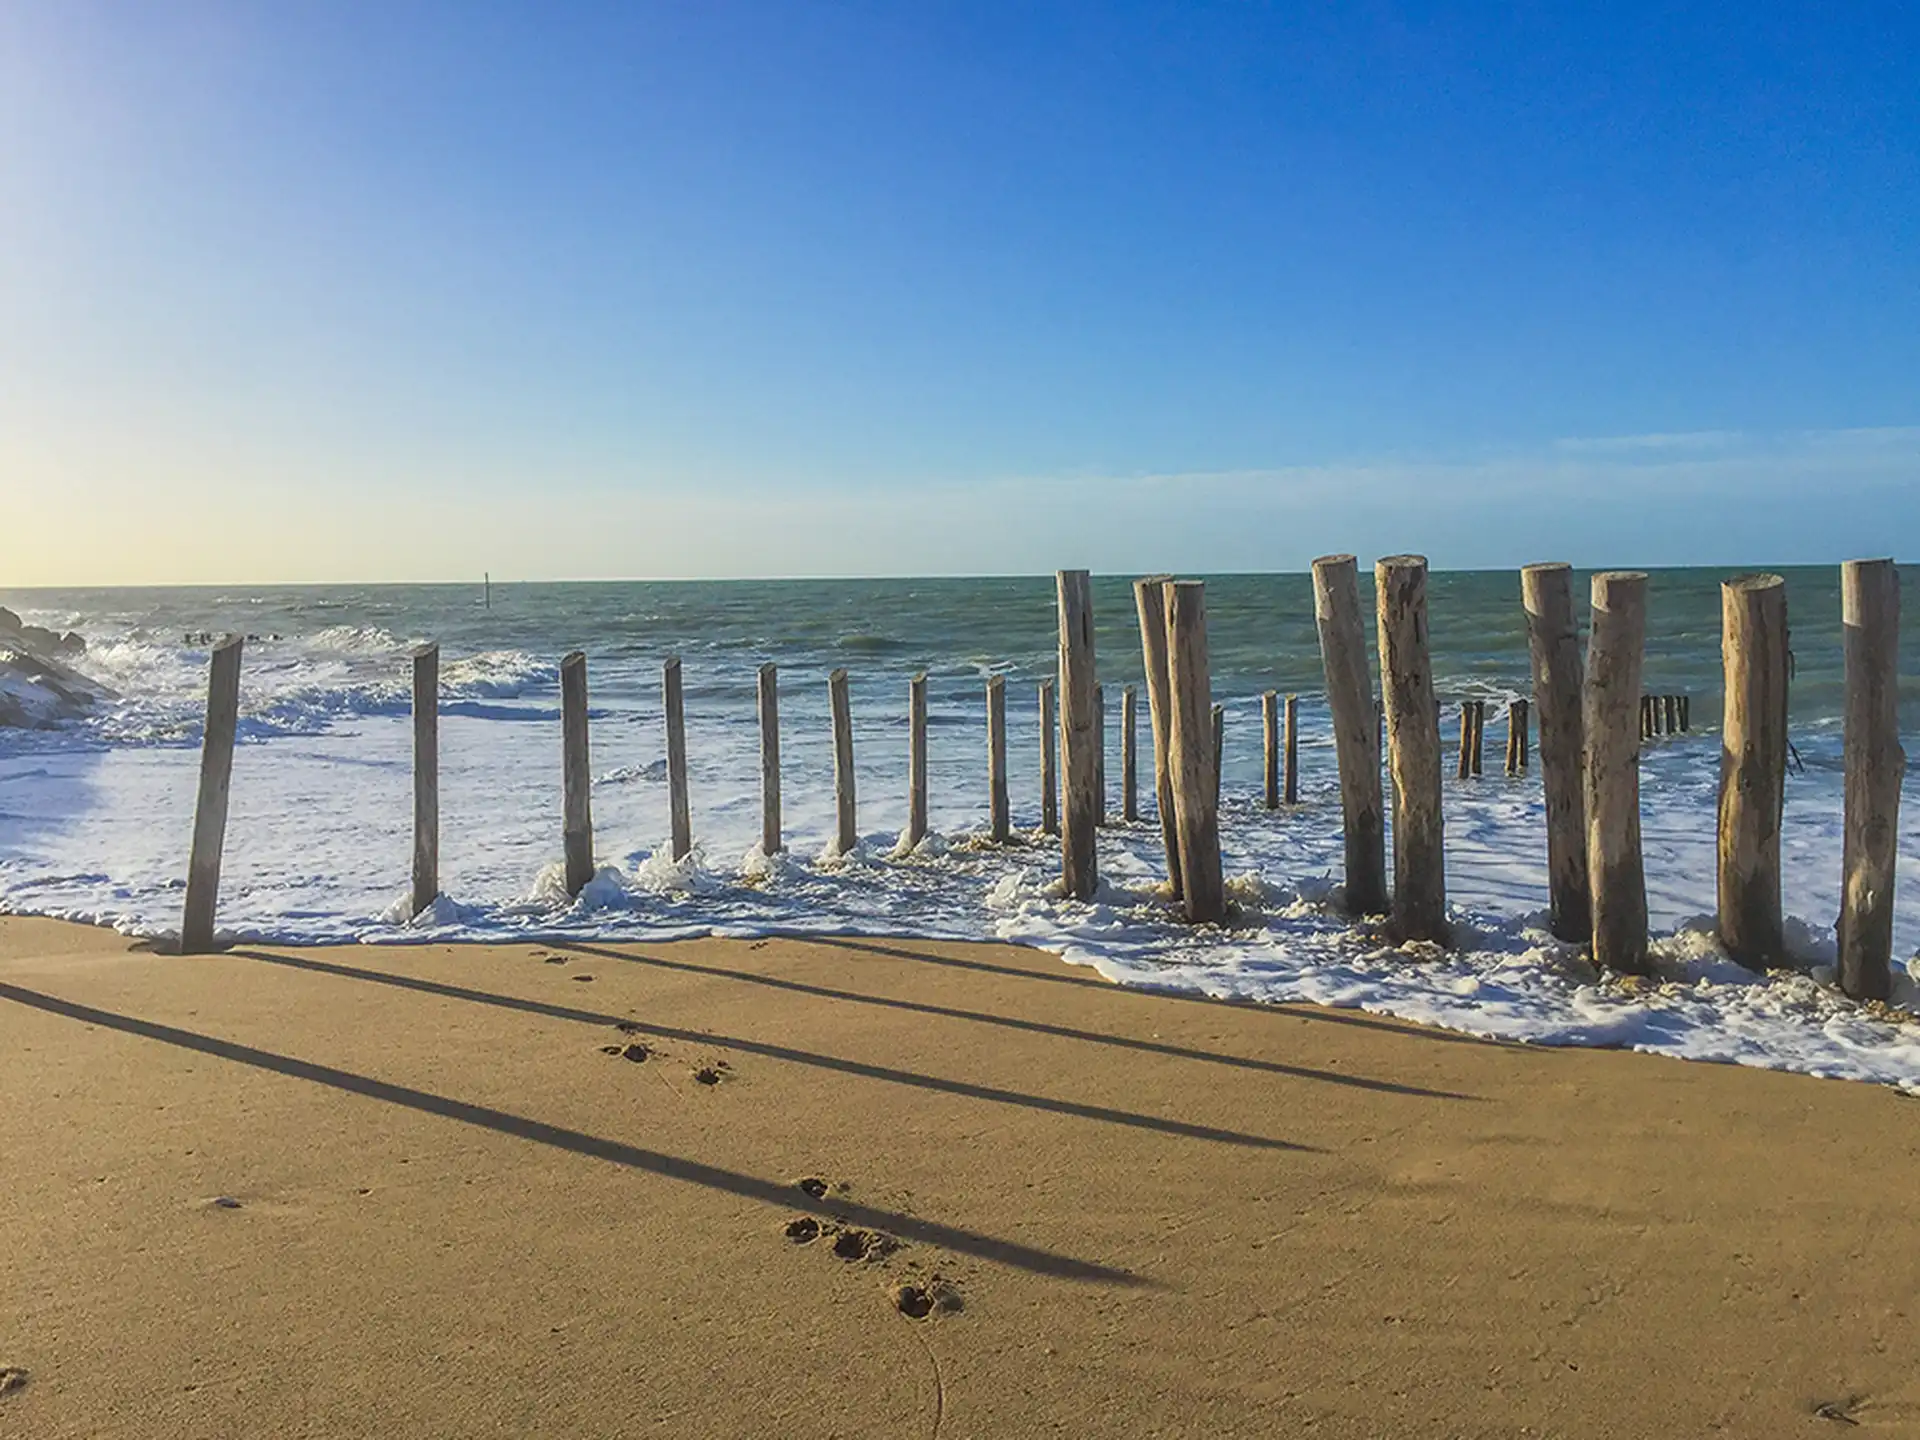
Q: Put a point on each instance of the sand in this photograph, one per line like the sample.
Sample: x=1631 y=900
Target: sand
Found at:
x=514 y=1190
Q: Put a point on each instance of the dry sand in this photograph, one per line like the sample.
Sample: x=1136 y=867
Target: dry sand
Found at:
x=425 y=1191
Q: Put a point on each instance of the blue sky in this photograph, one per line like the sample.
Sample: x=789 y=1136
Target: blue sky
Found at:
x=405 y=291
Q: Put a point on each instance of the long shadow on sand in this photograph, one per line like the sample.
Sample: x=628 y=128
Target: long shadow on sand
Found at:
x=672 y=1167
x=1011 y=1022
x=861 y=1068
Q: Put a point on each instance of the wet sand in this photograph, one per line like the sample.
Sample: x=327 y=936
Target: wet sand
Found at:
x=520 y=1190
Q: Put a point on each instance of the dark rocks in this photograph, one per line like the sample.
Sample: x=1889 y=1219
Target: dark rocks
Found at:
x=38 y=689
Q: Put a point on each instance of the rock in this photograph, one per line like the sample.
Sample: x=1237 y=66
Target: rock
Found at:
x=37 y=690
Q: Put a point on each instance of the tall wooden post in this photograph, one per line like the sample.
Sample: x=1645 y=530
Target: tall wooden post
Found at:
x=1522 y=746
x=846 y=808
x=1290 y=791
x=1100 y=752
x=1129 y=755
x=1413 y=749
x=1150 y=600
x=916 y=759
x=1875 y=763
x=1686 y=715
x=1356 y=730
x=426 y=777
x=1479 y=732
x=1219 y=749
x=1465 y=767
x=1190 y=752
x=1553 y=645
x=998 y=819
x=1049 y=763
x=1270 y=746
x=1753 y=766
x=1616 y=877
x=1079 y=735
x=769 y=704
x=210 y=810
x=576 y=773
x=680 y=815
x=1516 y=733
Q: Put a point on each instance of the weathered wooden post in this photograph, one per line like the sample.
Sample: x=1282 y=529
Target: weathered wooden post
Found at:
x=1049 y=763
x=1616 y=877
x=1129 y=755
x=426 y=777
x=1516 y=732
x=1686 y=715
x=576 y=774
x=846 y=809
x=1671 y=706
x=1646 y=717
x=1190 y=752
x=1150 y=601
x=916 y=759
x=1466 y=740
x=1479 y=732
x=1413 y=749
x=769 y=698
x=1219 y=749
x=1356 y=730
x=1523 y=747
x=680 y=817
x=1100 y=751
x=1553 y=645
x=1270 y=746
x=210 y=810
x=1753 y=766
x=1875 y=763
x=1079 y=735
x=998 y=820
x=1291 y=790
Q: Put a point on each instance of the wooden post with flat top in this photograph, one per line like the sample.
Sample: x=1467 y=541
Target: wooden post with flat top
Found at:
x=916 y=759
x=426 y=777
x=998 y=820
x=1129 y=755
x=1270 y=747
x=768 y=696
x=1150 y=601
x=210 y=810
x=679 y=813
x=845 y=807
x=1190 y=752
x=576 y=773
x=1049 y=763
x=1875 y=764
x=1356 y=730
x=1079 y=735
x=1413 y=749
x=1616 y=875
x=1290 y=790
x=1553 y=646
x=1753 y=766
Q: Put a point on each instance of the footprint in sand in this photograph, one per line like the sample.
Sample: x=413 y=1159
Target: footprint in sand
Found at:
x=634 y=1051
x=937 y=1296
x=713 y=1074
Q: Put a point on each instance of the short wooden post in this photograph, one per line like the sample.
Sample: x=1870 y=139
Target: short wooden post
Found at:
x=1616 y=877
x=1646 y=717
x=1191 y=752
x=1753 y=766
x=1479 y=732
x=576 y=774
x=916 y=760
x=210 y=810
x=1100 y=751
x=1553 y=645
x=1150 y=601
x=1219 y=749
x=679 y=814
x=1049 y=763
x=769 y=704
x=1516 y=732
x=1875 y=763
x=1290 y=791
x=1686 y=715
x=1465 y=767
x=1671 y=705
x=1270 y=746
x=1079 y=735
x=1413 y=749
x=1129 y=755
x=846 y=809
x=1523 y=746
x=998 y=820
x=1356 y=730
x=426 y=777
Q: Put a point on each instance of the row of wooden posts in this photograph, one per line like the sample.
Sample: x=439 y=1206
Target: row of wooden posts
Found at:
x=1589 y=744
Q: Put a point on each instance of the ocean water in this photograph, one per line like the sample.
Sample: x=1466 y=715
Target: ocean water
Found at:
x=95 y=816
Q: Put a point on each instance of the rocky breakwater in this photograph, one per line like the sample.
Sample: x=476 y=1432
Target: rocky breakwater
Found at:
x=39 y=687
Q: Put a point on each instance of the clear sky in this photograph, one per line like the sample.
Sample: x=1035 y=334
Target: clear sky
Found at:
x=407 y=290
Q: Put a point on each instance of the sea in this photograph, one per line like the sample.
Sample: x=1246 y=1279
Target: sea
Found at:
x=96 y=813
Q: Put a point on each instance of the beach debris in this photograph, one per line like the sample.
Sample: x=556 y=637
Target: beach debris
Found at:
x=813 y=1185
x=713 y=1074
x=583 y=977
x=224 y=1202
x=1837 y=1410
x=12 y=1380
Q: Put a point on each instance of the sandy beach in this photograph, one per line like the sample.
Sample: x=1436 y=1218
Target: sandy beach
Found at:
x=514 y=1190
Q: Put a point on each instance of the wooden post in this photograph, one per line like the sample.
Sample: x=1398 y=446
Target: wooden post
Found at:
x=1870 y=617
x=846 y=810
x=426 y=777
x=1553 y=645
x=1049 y=763
x=1646 y=717
x=1479 y=732
x=997 y=818
x=210 y=810
x=1413 y=750
x=1191 y=754
x=1270 y=746
x=1686 y=715
x=1100 y=751
x=1753 y=766
x=679 y=815
x=1079 y=735
x=1150 y=601
x=1129 y=755
x=1523 y=747
x=1356 y=730
x=1671 y=704
x=1466 y=740
x=1219 y=749
x=576 y=774
x=1516 y=732
x=769 y=697
x=1291 y=790
x=916 y=759
x=1616 y=878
